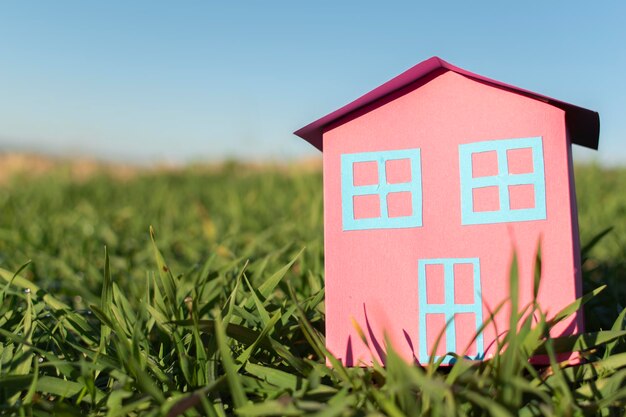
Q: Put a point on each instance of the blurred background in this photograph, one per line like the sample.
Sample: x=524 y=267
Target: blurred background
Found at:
x=149 y=82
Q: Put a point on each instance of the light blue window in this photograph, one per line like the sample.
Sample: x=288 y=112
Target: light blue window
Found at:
x=502 y=182
x=381 y=190
x=449 y=308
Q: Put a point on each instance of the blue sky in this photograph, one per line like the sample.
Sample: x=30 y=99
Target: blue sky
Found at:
x=189 y=81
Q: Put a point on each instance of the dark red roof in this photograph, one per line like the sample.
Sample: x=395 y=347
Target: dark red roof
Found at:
x=583 y=124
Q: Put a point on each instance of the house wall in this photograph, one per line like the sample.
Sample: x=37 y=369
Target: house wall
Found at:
x=371 y=275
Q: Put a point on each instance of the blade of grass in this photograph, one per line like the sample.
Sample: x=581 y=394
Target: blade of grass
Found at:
x=232 y=376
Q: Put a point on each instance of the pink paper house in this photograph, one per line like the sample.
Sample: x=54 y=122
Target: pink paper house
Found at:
x=431 y=182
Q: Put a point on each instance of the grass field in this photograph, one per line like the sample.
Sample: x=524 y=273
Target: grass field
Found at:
x=220 y=309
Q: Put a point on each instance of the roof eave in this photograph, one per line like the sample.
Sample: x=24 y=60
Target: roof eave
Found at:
x=583 y=124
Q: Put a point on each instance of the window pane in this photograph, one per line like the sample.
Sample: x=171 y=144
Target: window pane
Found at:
x=435 y=284
x=462 y=322
x=521 y=196
x=366 y=206
x=398 y=171
x=435 y=325
x=365 y=173
x=486 y=199
x=484 y=164
x=520 y=161
x=464 y=284
x=399 y=204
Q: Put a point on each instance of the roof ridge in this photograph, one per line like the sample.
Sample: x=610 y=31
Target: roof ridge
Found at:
x=583 y=124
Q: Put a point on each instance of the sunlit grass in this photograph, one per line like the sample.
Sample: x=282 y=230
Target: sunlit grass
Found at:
x=219 y=309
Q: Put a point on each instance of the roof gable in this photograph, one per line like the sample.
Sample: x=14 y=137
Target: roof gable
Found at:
x=583 y=124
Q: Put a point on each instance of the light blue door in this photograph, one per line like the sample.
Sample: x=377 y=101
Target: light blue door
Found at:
x=449 y=308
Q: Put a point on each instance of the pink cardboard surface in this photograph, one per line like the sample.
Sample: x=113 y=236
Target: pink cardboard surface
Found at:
x=372 y=268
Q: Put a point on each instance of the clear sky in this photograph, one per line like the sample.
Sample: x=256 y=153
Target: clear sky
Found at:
x=198 y=80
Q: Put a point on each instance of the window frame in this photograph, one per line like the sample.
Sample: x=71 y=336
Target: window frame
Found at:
x=382 y=189
x=503 y=179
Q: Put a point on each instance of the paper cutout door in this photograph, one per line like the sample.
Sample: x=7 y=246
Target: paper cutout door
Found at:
x=459 y=305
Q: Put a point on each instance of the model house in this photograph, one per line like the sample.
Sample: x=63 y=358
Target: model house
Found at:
x=432 y=182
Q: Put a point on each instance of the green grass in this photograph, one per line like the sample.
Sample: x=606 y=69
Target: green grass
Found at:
x=220 y=310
